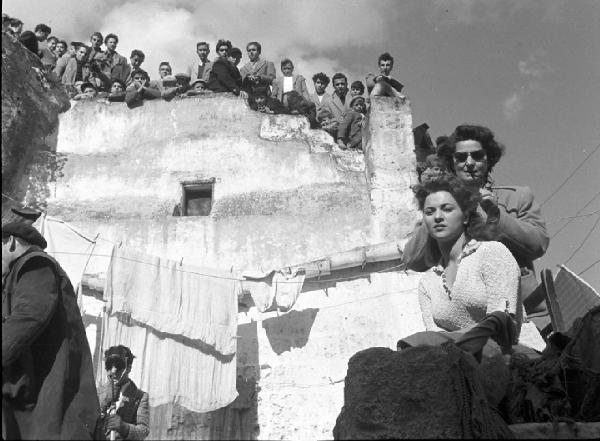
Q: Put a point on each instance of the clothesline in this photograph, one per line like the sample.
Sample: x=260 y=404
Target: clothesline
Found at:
x=339 y=279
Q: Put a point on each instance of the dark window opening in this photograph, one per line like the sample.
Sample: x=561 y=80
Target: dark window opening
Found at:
x=197 y=198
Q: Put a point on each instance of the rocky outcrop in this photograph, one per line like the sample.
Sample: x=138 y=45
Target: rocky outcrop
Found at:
x=420 y=392
x=31 y=102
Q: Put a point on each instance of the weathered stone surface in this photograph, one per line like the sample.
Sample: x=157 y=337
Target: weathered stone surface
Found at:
x=391 y=167
x=382 y=402
x=420 y=392
x=31 y=102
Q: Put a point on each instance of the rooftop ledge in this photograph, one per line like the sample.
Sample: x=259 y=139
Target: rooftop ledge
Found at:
x=225 y=112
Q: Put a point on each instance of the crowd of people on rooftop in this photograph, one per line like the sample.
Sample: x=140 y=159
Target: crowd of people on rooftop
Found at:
x=97 y=71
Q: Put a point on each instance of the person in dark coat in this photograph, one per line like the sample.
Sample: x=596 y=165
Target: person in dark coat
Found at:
x=350 y=130
x=48 y=388
x=224 y=76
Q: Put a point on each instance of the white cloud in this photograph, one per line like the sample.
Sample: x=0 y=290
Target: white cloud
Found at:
x=513 y=106
x=310 y=32
x=532 y=73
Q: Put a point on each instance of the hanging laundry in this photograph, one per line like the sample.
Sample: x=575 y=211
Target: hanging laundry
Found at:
x=258 y=284
x=178 y=320
x=287 y=284
x=70 y=248
x=195 y=302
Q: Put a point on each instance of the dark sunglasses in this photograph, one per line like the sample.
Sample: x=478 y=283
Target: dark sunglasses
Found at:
x=115 y=361
x=477 y=155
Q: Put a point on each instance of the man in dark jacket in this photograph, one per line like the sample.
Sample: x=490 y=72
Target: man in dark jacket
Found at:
x=48 y=389
x=224 y=75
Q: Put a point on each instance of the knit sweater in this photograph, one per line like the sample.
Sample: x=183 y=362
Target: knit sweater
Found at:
x=487 y=280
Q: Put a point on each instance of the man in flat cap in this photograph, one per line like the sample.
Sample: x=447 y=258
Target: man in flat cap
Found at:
x=48 y=388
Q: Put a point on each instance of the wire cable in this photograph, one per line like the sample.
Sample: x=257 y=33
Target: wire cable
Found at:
x=589 y=233
x=589 y=267
x=576 y=215
x=570 y=176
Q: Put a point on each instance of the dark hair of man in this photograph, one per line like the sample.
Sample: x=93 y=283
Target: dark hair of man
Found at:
x=467 y=199
x=64 y=43
x=223 y=43
x=138 y=53
x=164 y=63
x=321 y=76
x=235 y=52
x=358 y=85
x=385 y=57
x=465 y=132
x=287 y=61
x=202 y=43
x=14 y=22
x=339 y=75
x=97 y=34
x=52 y=38
x=43 y=28
x=140 y=72
x=122 y=351
x=118 y=82
x=109 y=36
x=255 y=43
x=29 y=40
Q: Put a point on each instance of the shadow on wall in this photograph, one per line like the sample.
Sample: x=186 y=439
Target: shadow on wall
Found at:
x=290 y=330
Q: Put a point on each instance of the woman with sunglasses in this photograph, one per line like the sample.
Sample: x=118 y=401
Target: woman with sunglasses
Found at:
x=471 y=152
x=125 y=408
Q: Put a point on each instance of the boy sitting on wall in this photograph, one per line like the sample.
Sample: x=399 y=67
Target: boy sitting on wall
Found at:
x=349 y=133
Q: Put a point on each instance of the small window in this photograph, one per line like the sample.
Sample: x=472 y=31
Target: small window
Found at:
x=197 y=197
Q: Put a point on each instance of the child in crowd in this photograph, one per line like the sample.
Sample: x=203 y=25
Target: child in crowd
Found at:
x=350 y=130
x=88 y=92
x=357 y=88
x=299 y=105
x=262 y=102
x=198 y=87
x=327 y=121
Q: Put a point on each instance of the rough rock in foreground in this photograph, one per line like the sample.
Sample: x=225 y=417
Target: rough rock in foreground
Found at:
x=31 y=102
x=421 y=392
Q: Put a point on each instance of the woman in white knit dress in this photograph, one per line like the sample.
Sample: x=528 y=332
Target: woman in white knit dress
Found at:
x=475 y=278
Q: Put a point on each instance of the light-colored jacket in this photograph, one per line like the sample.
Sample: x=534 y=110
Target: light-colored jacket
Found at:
x=299 y=85
x=337 y=108
x=192 y=70
x=70 y=72
x=319 y=104
x=263 y=68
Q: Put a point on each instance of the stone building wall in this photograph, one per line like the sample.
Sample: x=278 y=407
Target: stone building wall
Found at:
x=283 y=195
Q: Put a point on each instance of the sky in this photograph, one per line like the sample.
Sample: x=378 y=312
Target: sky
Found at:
x=527 y=69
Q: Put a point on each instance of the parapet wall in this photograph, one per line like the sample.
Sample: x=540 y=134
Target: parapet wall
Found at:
x=283 y=195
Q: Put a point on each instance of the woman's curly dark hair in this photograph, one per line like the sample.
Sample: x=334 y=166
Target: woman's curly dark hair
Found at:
x=223 y=42
x=493 y=149
x=466 y=198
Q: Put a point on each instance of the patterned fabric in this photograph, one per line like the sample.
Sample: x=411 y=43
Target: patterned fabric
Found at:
x=487 y=280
